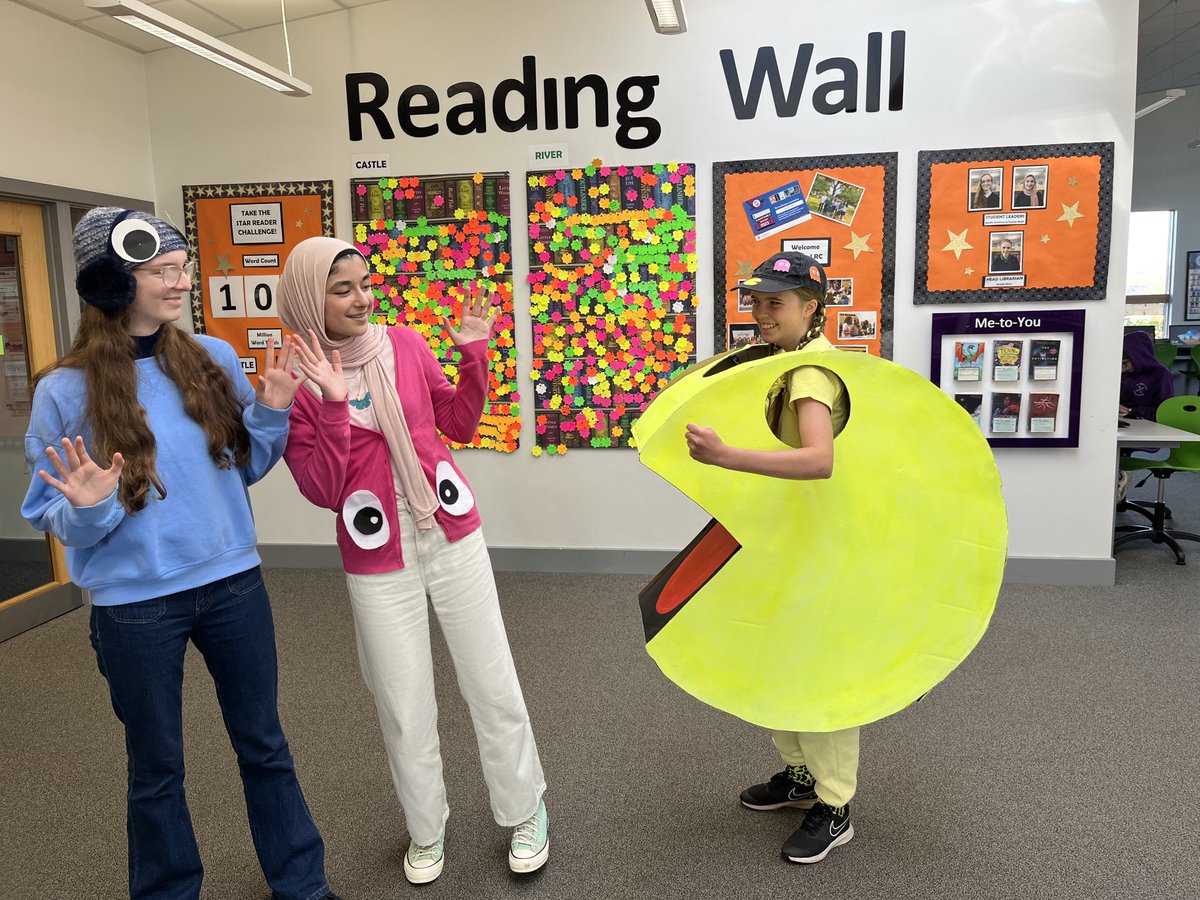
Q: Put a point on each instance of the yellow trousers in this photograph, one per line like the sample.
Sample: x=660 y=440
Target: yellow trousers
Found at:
x=831 y=757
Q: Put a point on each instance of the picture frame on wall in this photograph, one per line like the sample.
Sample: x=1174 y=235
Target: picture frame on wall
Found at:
x=1191 y=305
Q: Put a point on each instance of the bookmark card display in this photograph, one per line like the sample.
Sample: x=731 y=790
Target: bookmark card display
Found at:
x=1006 y=360
x=1006 y=413
x=1043 y=360
x=1020 y=375
x=968 y=360
x=972 y=403
x=1043 y=413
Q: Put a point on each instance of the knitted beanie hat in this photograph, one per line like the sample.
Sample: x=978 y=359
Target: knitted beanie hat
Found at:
x=104 y=255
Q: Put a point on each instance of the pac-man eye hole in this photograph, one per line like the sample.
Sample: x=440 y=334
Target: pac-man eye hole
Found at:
x=452 y=492
x=134 y=240
x=777 y=399
x=368 y=527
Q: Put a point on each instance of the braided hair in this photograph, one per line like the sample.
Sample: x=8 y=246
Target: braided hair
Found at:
x=817 y=326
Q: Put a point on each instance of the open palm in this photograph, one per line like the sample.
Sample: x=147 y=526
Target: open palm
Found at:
x=277 y=385
x=478 y=316
x=80 y=479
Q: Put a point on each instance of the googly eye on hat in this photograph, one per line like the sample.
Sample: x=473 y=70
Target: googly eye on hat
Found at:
x=786 y=272
x=109 y=243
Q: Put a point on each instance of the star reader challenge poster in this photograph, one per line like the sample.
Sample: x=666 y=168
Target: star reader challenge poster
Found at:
x=840 y=210
x=242 y=235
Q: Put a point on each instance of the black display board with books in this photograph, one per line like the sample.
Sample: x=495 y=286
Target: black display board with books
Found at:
x=1018 y=374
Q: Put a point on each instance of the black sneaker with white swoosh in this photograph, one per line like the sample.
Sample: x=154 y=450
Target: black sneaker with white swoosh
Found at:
x=824 y=828
x=781 y=791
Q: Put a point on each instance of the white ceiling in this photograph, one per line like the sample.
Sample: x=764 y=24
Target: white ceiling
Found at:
x=1168 y=31
x=219 y=18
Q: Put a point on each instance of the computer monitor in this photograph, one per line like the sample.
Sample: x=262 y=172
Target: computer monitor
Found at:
x=1145 y=329
x=1174 y=331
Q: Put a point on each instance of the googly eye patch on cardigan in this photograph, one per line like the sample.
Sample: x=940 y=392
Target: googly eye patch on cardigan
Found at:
x=365 y=522
x=452 y=492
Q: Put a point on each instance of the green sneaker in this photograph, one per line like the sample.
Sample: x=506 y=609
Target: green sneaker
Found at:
x=423 y=862
x=530 y=846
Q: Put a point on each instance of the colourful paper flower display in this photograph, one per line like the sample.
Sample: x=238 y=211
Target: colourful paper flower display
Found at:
x=612 y=296
x=431 y=242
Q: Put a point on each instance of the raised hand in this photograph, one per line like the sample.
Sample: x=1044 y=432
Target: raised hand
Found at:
x=82 y=482
x=478 y=317
x=325 y=374
x=277 y=385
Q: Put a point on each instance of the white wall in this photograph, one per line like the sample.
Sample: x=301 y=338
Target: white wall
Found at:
x=1164 y=177
x=75 y=108
x=978 y=74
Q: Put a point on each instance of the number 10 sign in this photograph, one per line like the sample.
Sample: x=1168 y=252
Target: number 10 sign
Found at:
x=241 y=235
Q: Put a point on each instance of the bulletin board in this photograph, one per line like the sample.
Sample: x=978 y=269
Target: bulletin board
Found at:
x=612 y=274
x=242 y=235
x=430 y=241
x=840 y=210
x=1019 y=373
x=1014 y=223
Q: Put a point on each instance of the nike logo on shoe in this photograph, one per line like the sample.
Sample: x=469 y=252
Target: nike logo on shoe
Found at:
x=799 y=794
x=835 y=830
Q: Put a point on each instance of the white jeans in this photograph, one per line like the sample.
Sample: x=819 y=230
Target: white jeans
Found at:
x=391 y=622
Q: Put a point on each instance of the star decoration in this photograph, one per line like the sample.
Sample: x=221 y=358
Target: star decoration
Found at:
x=745 y=268
x=299 y=223
x=1070 y=214
x=1045 y=238
x=958 y=243
x=1072 y=181
x=968 y=271
x=858 y=244
x=223 y=265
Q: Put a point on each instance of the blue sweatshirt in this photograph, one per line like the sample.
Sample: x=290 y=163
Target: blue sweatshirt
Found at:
x=203 y=530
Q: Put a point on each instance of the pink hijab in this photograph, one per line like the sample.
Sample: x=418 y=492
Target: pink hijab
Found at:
x=302 y=307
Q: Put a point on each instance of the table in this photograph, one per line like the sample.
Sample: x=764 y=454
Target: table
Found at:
x=1144 y=433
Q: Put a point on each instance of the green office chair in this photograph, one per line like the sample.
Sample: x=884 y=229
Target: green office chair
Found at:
x=1192 y=371
x=1165 y=352
x=1182 y=413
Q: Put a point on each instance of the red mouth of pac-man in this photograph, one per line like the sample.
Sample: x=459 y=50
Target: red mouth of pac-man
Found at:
x=685 y=575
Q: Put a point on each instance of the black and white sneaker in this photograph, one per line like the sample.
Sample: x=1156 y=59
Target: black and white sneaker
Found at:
x=824 y=828
x=782 y=790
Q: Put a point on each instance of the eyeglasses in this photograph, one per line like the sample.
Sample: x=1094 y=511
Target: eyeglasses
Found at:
x=172 y=275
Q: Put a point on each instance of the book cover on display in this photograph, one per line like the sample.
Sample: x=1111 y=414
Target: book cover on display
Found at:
x=1043 y=413
x=972 y=403
x=968 y=360
x=1006 y=360
x=1006 y=413
x=1043 y=360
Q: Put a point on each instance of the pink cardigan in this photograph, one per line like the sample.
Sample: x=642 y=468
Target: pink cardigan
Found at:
x=340 y=466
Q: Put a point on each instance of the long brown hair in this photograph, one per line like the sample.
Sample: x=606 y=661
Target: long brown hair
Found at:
x=103 y=351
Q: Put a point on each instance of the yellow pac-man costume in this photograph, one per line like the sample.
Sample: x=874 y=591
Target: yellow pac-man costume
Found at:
x=822 y=605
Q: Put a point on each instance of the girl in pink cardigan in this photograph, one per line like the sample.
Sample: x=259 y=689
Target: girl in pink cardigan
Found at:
x=364 y=442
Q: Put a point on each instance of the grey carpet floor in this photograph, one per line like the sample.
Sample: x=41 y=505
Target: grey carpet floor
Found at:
x=1059 y=761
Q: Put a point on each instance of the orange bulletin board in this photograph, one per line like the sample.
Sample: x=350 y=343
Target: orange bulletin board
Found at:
x=242 y=235
x=1013 y=223
x=847 y=222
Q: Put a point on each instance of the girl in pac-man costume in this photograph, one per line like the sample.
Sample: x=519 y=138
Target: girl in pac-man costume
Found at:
x=818 y=600
x=364 y=442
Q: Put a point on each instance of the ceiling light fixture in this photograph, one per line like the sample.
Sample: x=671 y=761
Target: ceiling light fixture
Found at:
x=151 y=21
x=667 y=16
x=1172 y=94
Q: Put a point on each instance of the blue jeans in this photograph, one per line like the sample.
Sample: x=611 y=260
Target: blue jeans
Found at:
x=140 y=649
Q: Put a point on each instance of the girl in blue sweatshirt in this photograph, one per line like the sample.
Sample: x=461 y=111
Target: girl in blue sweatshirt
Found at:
x=144 y=441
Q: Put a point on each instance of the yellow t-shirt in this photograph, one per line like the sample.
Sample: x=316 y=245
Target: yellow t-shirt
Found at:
x=807 y=380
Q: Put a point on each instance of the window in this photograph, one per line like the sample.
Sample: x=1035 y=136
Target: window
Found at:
x=1148 y=273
